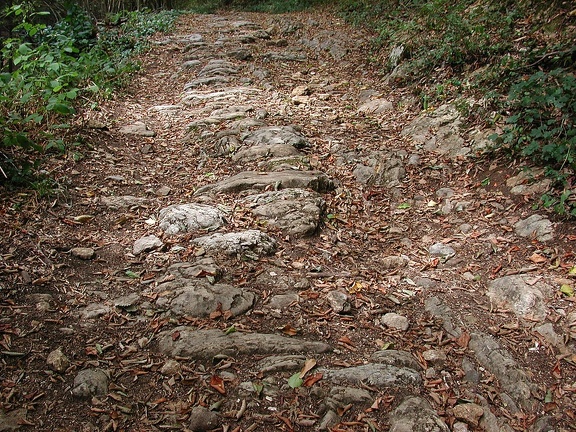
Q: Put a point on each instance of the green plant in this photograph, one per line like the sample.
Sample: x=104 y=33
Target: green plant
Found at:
x=543 y=124
x=46 y=72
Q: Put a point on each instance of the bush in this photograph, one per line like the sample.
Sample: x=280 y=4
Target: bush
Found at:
x=48 y=71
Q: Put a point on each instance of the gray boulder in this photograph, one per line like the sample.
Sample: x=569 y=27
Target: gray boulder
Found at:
x=297 y=212
x=249 y=180
x=205 y=344
x=239 y=242
x=416 y=414
x=537 y=226
x=512 y=292
x=182 y=218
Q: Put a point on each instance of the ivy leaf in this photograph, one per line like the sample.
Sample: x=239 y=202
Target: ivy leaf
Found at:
x=567 y=290
x=295 y=381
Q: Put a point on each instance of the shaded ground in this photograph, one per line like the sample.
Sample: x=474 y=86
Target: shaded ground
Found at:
x=372 y=247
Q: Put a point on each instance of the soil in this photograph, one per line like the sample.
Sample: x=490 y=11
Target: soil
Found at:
x=364 y=224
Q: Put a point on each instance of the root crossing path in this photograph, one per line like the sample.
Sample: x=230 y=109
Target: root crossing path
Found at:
x=264 y=233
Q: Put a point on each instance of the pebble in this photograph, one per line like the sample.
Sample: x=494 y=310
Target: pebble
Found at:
x=436 y=358
x=146 y=244
x=58 y=361
x=90 y=382
x=170 y=367
x=83 y=253
x=469 y=413
x=338 y=302
x=441 y=250
x=395 y=321
x=202 y=419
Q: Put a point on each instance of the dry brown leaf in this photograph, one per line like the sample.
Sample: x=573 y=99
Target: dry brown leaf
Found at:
x=312 y=379
x=537 y=258
x=308 y=364
x=217 y=384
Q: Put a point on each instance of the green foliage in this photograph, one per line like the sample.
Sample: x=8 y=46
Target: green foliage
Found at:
x=437 y=33
x=542 y=129
x=514 y=58
x=47 y=72
x=542 y=126
x=270 y=6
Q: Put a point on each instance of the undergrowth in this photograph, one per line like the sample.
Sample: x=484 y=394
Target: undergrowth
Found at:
x=48 y=72
x=514 y=58
x=268 y=6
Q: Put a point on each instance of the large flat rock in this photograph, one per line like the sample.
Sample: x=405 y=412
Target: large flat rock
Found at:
x=297 y=212
x=182 y=218
x=515 y=293
x=416 y=414
x=375 y=374
x=276 y=135
x=500 y=362
x=205 y=344
x=233 y=243
x=250 y=180
x=196 y=298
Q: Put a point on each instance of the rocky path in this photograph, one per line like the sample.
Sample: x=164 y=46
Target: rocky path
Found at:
x=267 y=235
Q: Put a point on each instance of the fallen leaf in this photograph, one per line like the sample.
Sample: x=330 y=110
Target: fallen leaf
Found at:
x=312 y=379
x=537 y=258
x=308 y=364
x=567 y=290
x=346 y=340
x=217 y=384
x=176 y=335
x=289 y=330
x=295 y=380
x=463 y=340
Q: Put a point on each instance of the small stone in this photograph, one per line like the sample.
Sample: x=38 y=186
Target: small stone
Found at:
x=58 y=361
x=465 y=228
x=436 y=358
x=445 y=193
x=202 y=419
x=396 y=321
x=535 y=225
x=329 y=420
x=170 y=367
x=424 y=282
x=13 y=420
x=83 y=253
x=163 y=191
x=282 y=301
x=376 y=106
x=547 y=331
x=127 y=300
x=469 y=413
x=338 y=301
x=302 y=90
x=441 y=250
x=471 y=374
x=146 y=244
x=393 y=262
x=416 y=414
x=137 y=128
x=459 y=427
x=90 y=382
x=515 y=293
x=94 y=310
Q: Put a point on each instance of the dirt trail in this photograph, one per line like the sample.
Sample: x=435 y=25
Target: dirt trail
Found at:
x=264 y=234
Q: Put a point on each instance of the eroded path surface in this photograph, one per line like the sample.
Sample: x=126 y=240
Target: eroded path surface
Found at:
x=267 y=235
